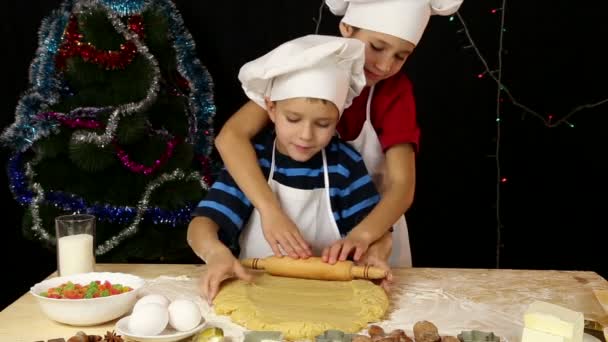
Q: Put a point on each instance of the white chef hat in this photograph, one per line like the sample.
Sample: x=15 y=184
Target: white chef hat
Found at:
x=405 y=19
x=314 y=66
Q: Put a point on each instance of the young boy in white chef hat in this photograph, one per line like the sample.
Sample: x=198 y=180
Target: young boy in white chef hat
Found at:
x=321 y=182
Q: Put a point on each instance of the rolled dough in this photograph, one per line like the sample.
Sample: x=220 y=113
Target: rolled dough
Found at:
x=301 y=308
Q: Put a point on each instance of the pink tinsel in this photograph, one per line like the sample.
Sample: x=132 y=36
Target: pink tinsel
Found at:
x=140 y=168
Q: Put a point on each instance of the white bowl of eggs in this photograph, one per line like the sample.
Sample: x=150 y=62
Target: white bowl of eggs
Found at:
x=156 y=318
x=74 y=300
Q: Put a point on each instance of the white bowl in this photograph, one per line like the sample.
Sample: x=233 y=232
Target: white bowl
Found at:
x=167 y=335
x=91 y=311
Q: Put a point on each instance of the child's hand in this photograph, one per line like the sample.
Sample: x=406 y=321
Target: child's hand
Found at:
x=221 y=265
x=373 y=260
x=377 y=255
x=279 y=230
x=356 y=241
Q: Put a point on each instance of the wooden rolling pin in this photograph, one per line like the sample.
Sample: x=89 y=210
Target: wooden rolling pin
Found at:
x=313 y=268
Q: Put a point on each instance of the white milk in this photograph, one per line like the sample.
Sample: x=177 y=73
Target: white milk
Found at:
x=75 y=254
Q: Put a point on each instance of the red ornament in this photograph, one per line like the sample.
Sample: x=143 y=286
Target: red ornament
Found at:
x=182 y=83
x=136 y=24
x=206 y=169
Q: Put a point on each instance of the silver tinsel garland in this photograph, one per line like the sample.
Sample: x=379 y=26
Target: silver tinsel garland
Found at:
x=35 y=207
x=129 y=108
x=142 y=206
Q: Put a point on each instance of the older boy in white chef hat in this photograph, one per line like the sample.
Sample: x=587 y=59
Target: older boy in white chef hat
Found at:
x=389 y=137
x=320 y=182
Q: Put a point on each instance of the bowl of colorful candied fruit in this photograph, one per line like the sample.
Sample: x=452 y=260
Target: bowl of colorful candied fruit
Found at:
x=87 y=298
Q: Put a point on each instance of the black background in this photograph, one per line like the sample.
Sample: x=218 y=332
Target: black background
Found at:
x=552 y=204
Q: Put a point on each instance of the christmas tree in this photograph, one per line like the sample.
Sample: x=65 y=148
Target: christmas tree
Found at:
x=117 y=123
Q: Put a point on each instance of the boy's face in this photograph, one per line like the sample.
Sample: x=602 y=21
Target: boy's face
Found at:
x=384 y=53
x=303 y=126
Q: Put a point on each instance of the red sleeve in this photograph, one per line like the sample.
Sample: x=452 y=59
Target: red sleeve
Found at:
x=394 y=112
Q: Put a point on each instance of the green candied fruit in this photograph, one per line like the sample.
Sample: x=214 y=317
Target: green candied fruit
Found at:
x=117 y=287
x=90 y=292
x=44 y=294
x=93 y=284
x=104 y=293
x=69 y=286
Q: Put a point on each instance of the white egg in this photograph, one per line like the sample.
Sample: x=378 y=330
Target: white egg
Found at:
x=184 y=314
x=152 y=298
x=149 y=320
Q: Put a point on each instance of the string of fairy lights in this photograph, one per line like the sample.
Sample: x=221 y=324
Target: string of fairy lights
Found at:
x=502 y=92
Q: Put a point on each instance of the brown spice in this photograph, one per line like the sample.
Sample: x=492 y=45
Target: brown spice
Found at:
x=111 y=336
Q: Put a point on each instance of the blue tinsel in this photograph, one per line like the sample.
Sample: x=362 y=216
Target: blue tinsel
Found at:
x=125 y=7
x=121 y=215
x=201 y=96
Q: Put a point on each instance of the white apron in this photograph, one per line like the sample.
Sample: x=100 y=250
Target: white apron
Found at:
x=368 y=144
x=310 y=210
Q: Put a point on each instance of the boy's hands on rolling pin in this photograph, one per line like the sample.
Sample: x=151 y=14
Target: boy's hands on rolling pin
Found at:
x=378 y=255
x=356 y=242
x=221 y=265
x=280 y=231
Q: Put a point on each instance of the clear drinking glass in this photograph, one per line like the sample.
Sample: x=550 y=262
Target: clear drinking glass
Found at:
x=75 y=244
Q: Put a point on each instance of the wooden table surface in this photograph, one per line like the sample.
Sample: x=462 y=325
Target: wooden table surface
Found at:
x=453 y=299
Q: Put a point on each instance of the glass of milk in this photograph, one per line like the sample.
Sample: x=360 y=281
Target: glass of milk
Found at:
x=75 y=244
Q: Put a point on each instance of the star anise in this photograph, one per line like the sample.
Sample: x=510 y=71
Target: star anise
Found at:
x=111 y=336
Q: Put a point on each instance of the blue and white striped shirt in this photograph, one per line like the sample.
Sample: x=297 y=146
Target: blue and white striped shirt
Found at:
x=352 y=192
